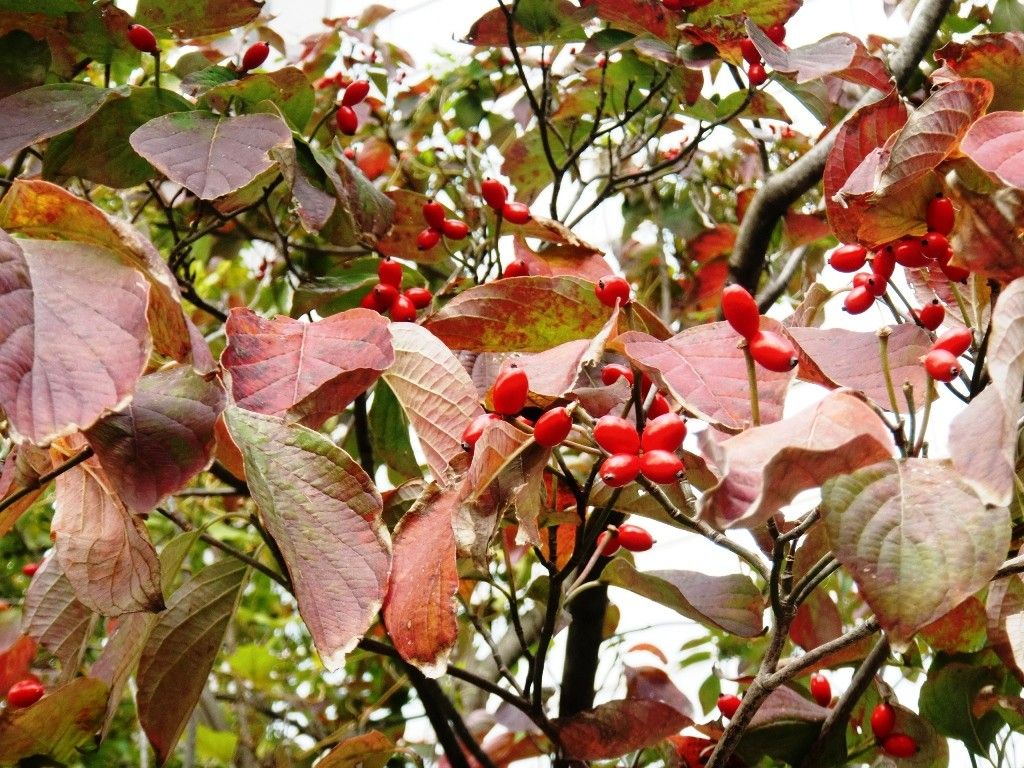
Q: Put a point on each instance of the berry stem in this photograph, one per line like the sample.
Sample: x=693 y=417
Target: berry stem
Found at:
x=929 y=395
x=883 y=349
x=908 y=395
x=755 y=404
x=960 y=303
x=156 y=69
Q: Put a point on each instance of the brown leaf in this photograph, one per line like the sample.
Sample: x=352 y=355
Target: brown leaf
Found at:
x=55 y=618
x=962 y=630
x=618 y=727
x=21 y=467
x=765 y=467
x=1006 y=346
x=308 y=371
x=368 y=750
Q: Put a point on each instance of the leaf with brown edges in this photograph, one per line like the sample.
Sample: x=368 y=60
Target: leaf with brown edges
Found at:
x=616 y=728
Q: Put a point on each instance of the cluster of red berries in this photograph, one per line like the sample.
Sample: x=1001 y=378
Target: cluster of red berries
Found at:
x=611 y=290
x=437 y=225
x=651 y=453
x=883 y=720
x=346 y=118
x=495 y=194
x=910 y=252
x=388 y=298
x=769 y=349
x=632 y=538
x=941 y=361
x=684 y=5
x=755 y=66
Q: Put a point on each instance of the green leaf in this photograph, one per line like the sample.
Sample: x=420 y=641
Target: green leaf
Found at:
x=47 y=7
x=288 y=88
x=24 y=62
x=389 y=433
x=948 y=694
x=254 y=663
x=202 y=80
x=214 y=745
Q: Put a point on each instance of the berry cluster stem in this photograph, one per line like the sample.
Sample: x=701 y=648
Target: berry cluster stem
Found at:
x=755 y=404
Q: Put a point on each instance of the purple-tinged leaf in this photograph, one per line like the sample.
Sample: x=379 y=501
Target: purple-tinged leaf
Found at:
x=617 y=728
x=916 y=539
x=55 y=618
x=323 y=511
x=982 y=446
x=162 y=439
x=208 y=154
x=196 y=18
x=39 y=113
x=654 y=684
x=1006 y=346
x=57 y=725
x=73 y=335
x=996 y=144
x=1005 y=609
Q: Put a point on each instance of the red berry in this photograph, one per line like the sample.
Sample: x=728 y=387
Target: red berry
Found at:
x=390 y=272
x=848 y=258
x=141 y=38
x=475 y=428
x=776 y=33
x=935 y=246
x=899 y=745
x=619 y=470
x=614 y=371
x=756 y=75
x=750 y=53
x=772 y=351
x=859 y=300
x=661 y=467
x=908 y=253
x=384 y=295
x=355 y=92
x=634 y=538
x=941 y=365
x=608 y=543
x=516 y=213
x=932 y=315
x=427 y=239
x=740 y=310
x=954 y=273
x=420 y=297
x=255 y=55
x=883 y=263
x=347 y=120
x=434 y=214
x=617 y=435
x=455 y=229
x=552 y=427
x=956 y=341
x=883 y=720
x=821 y=689
x=674 y=5
x=517 y=268
x=25 y=693
x=30 y=569
x=664 y=433
x=508 y=395
x=369 y=301
x=728 y=703
x=659 y=406
x=494 y=193
x=940 y=215
x=612 y=289
x=403 y=310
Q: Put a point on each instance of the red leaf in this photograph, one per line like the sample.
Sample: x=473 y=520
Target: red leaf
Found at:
x=641 y=17
x=996 y=58
x=575 y=259
x=962 y=630
x=16 y=650
x=310 y=371
x=996 y=144
x=654 y=684
x=419 y=610
x=817 y=621
x=553 y=21
x=617 y=728
x=721 y=23
x=987 y=234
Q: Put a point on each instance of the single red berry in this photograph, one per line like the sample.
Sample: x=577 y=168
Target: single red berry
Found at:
x=859 y=300
x=935 y=246
x=355 y=92
x=403 y=310
x=30 y=569
x=941 y=215
x=776 y=33
x=475 y=428
x=750 y=53
x=384 y=295
x=494 y=193
x=141 y=38
x=347 y=120
x=615 y=371
x=25 y=693
x=869 y=281
x=659 y=406
x=941 y=365
x=954 y=273
x=612 y=289
x=728 y=703
x=661 y=467
x=740 y=310
x=931 y=315
x=617 y=435
x=434 y=214
x=420 y=297
x=508 y=395
x=899 y=745
x=883 y=720
x=552 y=427
x=349 y=152
x=428 y=238
x=390 y=272
x=255 y=55
x=772 y=351
x=619 y=470
x=608 y=543
x=369 y=301
x=883 y=263
x=756 y=75
x=455 y=229
x=956 y=341
x=848 y=258
x=664 y=433
x=517 y=268
x=674 y=5
x=516 y=213
x=908 y=253
x=821 y=689
x=634 y=538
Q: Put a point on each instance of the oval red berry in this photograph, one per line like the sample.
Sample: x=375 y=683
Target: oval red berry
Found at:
x=427 y=239
x=772 y=351
x=728 y=703
x=471 y=434
x=941 y=365
x=403 y=310
x=434 y=214
x=454 y=229
x=614 y=371
x=848 y=258
x=619 y=470
x=355 y=92
x=634 y=538
x=740 y=310
x=821 y=689
x=552 y=427
x=420 y=297
x=141 y=38
x=494 y=193
x=956 y=341
x=347 y=120
x=25 y=693
x=255 y=55
x=883 y=720
x=390 y=272
x=661 y=467
x=508 y=395
x=940 y=215
x=617 y=435
x=612 y=289
x=899 y=745
x=516 y=213
x=664 y=433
